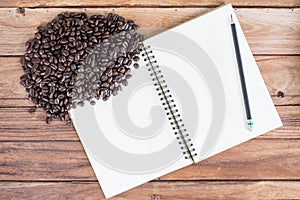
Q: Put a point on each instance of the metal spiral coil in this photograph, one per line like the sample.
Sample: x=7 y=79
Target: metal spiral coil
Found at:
x=168 y=104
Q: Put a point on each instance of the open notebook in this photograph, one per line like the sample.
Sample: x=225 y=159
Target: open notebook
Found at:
x=183 y=105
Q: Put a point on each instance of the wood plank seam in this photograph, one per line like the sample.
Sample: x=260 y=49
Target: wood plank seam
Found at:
x=73 y=141
x=153 y=181
x=152 y=6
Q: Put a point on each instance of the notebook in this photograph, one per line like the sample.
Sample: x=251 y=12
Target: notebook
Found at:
x=184 y=104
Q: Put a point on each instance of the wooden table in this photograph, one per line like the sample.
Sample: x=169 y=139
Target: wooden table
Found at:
x=39 y=161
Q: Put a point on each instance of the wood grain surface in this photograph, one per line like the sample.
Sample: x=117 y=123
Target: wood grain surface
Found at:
x=146 y=3
x=39 y=161
x=268 y=31
x=157 y=190
x=17 y=124
x=256 y=159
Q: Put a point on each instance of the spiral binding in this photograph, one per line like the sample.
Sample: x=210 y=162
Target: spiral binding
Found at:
x=168 y=104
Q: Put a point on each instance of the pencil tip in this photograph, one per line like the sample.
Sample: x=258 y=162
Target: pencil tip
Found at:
x=231 y=20
x=250 y=125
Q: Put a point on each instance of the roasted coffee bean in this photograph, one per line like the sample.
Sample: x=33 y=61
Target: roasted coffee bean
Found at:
x=27 y=44
x=32 y=110
x=48 y=120
x=81 y=103
x=136 y=58
x=125 y=82
x=75 y=59
x=105 y=98
x=128 y=70
x=105 y=85
x=64 y=41
x=136 y=65
x=104 y=78
x=115 y=92
x=61 y=68
x=122 y=70
x=128 y=76
x=112 y=86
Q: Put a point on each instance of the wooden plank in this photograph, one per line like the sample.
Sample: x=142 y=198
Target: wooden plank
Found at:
x=259 y=159
x=267 y=34
x=290 y=117
x=282 y=77
x=18 y=124
x=279 y=159
x=281 y=74
x=155 y=190
x=160 y=3
x=273 y=31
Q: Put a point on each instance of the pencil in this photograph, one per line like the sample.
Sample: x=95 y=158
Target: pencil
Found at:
x=242 y=76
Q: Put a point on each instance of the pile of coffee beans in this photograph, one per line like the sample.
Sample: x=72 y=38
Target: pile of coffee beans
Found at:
x=75 y=59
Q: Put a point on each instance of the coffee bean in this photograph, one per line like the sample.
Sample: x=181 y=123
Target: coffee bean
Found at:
x=65 y=52
x=32 y=110
x=61 y=68
x=122 y=70
x=128 y=70
x=128 y=76
x=75 y=59
x=81 y=103
x=27 y=44
x=129 y=62
x=73 y=67
x=48 y=120
x=136 y=65
x=105 y=85
x=112 y=86
x=105 y=98
x=53 y=66
x=136 y=58
x=125 y=82
x=64 y=41
x=38 y=36
x=104 y=78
